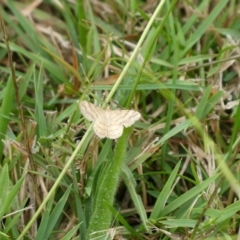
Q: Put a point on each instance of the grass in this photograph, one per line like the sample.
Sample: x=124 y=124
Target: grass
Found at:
x=175 y=174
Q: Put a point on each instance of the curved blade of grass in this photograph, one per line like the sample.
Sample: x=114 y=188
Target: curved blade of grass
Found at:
x=229 y=212
x=4 y=236
x=120 y=218
x=188 y=195
x=49 y=220
x=207 y=103
x=72 y=232
x=56 y=213
x=131 y=185
x=163 y=196
x=44 y=221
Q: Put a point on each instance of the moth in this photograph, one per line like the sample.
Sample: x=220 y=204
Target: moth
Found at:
x=108 y=123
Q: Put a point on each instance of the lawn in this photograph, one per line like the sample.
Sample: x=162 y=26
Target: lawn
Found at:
x=120 y=119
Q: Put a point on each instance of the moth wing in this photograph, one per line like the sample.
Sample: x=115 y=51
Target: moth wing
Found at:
x=125 y=118
x=108 y=129
x=114 y=131
x=90 y=111
x=100 y=127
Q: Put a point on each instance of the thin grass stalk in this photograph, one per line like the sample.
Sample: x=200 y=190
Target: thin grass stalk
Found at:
x=135 y=52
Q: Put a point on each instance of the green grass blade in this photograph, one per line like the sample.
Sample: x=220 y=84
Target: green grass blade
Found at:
x=131 y=185
x=11 y=193
x=197 y=34
x=188 y=195
x=56 y=213
x=43 y=226
x=4 y=236
x=4 y=183
x=71 y=233
x=163 y=196
x=40 y=118
x=5 y=111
